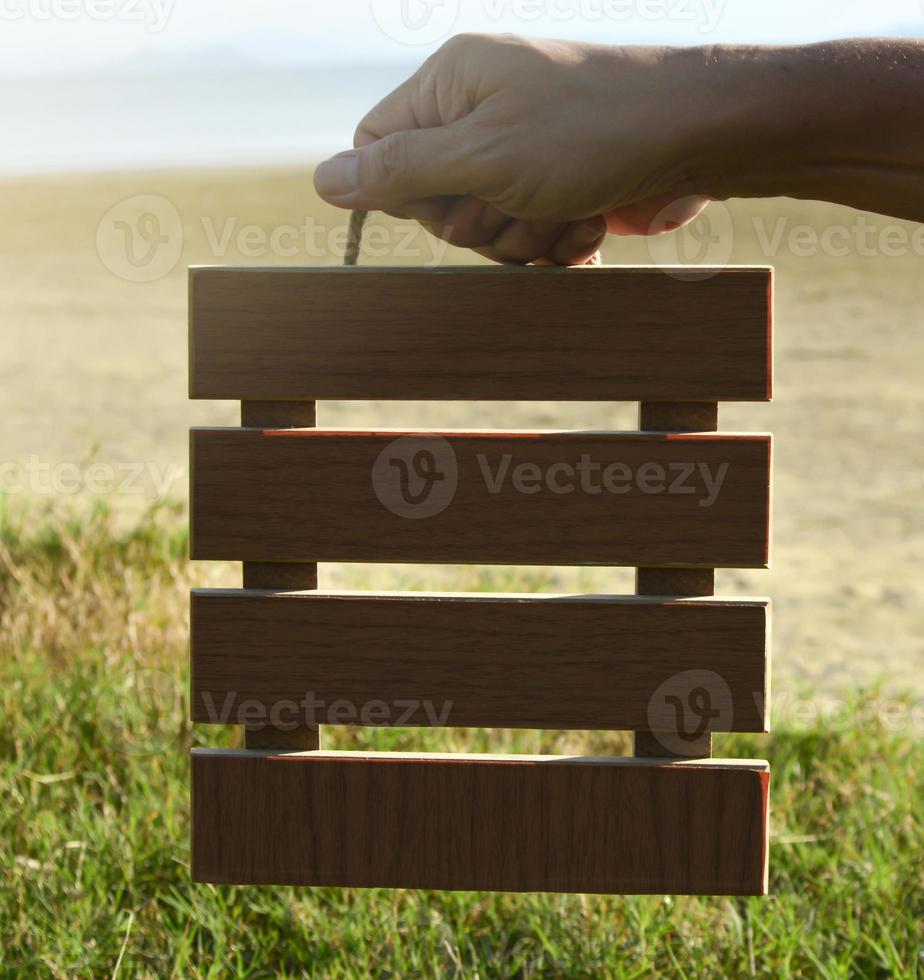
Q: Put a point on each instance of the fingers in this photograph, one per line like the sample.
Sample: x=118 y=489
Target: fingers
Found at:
x=541 y=243
x=521 y=242
x=467 y=223
x=470 y=223
x=404 y=166
x=579 y=242
x=407 y=107
x=431 y=97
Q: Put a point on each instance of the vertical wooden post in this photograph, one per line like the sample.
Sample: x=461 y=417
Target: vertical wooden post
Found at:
x=679 y=417
x=280 y=575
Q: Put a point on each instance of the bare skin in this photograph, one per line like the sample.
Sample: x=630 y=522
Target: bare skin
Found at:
x=531 y=150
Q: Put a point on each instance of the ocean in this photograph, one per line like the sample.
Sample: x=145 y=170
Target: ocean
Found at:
x=131 y=120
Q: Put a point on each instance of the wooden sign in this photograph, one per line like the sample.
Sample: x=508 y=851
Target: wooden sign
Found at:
x=499 y=823
x=589 y=334
x=558 y=498
x=482 y=660
x=673 y=664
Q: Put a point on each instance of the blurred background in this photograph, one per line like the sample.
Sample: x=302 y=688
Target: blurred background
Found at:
x=142 y=136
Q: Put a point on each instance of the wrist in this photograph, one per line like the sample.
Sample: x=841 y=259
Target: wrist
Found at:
x=801 y=121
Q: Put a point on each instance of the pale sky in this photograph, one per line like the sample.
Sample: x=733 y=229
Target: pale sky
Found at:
x=54 y=35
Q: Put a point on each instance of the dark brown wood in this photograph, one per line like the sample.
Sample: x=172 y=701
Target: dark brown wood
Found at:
x=300 y=738
x=678 y=582
x=280 y=575
x=284 y=415
x=483 y=660
x=499 y=823
x=329 y=495
x=657 y=745
x=679 y=416
x=481 y=333
x=675 y=581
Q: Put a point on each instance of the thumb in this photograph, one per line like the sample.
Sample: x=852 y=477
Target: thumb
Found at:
x=403 y=166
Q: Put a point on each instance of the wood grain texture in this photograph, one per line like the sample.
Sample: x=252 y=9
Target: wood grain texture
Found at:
x=288 y=575
x=603 y=333
x=330 y=495
x=649 y=744
x=280 y=415
x=514 y=661
x=682 y=417
x=280 y=575
x=485 y=823
x=678 y=416
x=675 y=581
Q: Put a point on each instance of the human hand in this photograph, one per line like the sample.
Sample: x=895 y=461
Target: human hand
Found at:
x=530 y=150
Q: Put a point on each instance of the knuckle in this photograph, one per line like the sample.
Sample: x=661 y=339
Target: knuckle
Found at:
x=471 y=42
x=392 y=158
x=462 y=42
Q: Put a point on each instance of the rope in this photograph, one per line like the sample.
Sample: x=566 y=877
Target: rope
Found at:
x=355 y=239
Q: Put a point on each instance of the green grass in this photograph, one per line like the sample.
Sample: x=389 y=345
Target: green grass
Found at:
x=94 y=819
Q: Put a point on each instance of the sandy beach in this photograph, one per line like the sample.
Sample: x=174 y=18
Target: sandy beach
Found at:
x=95 y=371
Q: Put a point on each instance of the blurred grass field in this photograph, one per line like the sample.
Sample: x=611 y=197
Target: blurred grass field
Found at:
x=94 y=871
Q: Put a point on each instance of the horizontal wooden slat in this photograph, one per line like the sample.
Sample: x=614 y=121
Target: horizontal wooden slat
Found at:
x=480 y=822
x=481 y=333
x=491 y=660
x=507 y=498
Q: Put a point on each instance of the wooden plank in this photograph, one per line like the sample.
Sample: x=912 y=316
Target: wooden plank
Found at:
x=602 y=333
x=280 y=415
x=678 y=416
x=506 y=498
x=498 y=823
x=652 y=740
x=682 y=417
x=483 y=660
x=280 y=575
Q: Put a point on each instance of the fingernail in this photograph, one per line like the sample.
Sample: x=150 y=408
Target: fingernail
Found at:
x=337 y=176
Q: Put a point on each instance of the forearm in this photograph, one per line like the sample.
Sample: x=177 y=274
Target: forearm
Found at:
x=841 y=121
x=530 y=150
